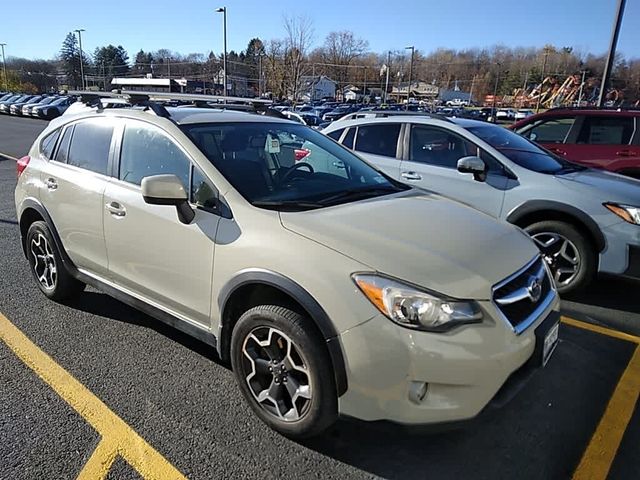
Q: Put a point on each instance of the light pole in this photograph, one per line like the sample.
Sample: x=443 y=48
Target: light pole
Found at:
x=79 y=32
x=413 y=51
x=612 y=53
x=386 y=85
x=223 y=10
x=4 y=67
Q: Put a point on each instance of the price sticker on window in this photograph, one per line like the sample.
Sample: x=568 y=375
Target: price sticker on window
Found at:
x=272 y=145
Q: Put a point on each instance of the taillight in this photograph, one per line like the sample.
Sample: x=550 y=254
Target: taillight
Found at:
x=22 y=164
x=300 y=153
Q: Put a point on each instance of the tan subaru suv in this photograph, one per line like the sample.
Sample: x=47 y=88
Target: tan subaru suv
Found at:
x=331 y=289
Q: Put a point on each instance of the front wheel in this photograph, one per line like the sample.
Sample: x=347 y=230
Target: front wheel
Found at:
x=284 y=371
x=570 y=255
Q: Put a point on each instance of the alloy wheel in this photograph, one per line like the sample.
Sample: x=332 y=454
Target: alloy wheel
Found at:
x=44 y=262
x=277 y=373
x=561 y=255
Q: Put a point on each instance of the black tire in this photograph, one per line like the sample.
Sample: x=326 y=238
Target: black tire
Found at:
x=586 y=251
x=317 y=413
x=61 y=285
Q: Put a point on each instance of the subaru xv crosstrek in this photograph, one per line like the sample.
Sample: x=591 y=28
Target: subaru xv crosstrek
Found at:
x=584 y=220
x=330 y=292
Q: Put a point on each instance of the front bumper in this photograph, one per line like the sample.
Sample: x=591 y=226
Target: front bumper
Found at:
x=621 y=256
x=463 y=370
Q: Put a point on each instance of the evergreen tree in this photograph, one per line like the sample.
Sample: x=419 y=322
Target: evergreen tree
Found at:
x=70 y=60
x=111 y=61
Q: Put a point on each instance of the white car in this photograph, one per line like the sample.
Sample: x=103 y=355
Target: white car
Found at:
x=520 y=114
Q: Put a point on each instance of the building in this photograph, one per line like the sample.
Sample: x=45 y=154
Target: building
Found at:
x=419 y=90
x=147 y=84
x=317 y=88
x=454 y=96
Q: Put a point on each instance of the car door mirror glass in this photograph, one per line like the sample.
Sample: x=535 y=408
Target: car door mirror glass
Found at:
x=474 y=165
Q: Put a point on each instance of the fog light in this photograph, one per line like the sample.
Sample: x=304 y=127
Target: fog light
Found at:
x=417 y=391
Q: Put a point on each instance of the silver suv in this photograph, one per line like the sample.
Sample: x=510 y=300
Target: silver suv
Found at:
x=584 y=220
x=330 y=292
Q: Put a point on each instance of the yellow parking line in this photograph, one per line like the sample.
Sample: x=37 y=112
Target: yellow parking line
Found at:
x=114 y=431
x=601 y=330
x=100 y=462
x=603 y=446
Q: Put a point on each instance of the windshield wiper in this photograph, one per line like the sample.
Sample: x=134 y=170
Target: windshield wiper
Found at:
x=288 y=205
x=352 y=194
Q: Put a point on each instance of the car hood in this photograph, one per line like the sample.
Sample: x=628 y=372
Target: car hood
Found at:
x=420 y=238
x=612 y=187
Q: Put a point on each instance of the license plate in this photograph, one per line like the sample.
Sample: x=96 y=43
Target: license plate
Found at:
x=550 y=343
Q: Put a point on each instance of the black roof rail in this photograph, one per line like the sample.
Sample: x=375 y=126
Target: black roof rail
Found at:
x=612 y=108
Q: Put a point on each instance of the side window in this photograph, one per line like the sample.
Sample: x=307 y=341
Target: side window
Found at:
x=90 y=146
x=438 y=147
x=63 y=149
x=550 y=131
x=48 y=143
x=606 y=130
x=348 y=138
x=203 y=194
x=146 y=151
x=379 y=139
x=336 y=134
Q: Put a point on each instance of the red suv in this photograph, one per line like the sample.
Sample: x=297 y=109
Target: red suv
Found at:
x=600 y=138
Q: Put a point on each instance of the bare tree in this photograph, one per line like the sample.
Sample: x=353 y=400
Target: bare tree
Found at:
x=340 y=49
x=274 y=68
x=297 y=43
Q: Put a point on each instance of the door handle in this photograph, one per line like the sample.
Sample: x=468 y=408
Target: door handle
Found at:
x=51 y=183
x=627 y=153
x=338 y=164
x=115 y=209
x=559 y=151
x=413 y=176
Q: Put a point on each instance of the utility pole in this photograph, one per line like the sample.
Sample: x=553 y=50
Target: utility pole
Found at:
x=79 y=32
x=364 y=85
x=104 y=78
x=223 y=10
x=544 y=67
x=4 y=67
x=581 y=87
x=473 y=79
x=260 y=75
x=168 y=59
x=612 y=52
x=412 y=48
x=386 y=86
x=495 y=94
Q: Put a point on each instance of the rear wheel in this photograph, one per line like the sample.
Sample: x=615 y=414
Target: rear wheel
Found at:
x=284 y=371
x=47 y=268
x=569 y=254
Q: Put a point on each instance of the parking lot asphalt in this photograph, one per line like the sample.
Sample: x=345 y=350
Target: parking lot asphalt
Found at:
x=18 y=133
x=173 y=392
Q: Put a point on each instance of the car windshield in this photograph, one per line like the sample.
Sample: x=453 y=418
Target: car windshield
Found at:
x=521 y=151
x=284 y=166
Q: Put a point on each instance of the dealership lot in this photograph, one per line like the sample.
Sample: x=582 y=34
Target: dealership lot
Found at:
x=171 y=391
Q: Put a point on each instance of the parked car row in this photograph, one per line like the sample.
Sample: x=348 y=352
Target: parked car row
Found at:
x=46 y=107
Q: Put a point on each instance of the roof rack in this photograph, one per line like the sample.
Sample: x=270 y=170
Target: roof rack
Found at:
x=150 y=100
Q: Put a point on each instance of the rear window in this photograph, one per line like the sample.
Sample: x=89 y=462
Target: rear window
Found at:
x=606 y=130
x=90 y=146
x=336 y=134
x=379 y=139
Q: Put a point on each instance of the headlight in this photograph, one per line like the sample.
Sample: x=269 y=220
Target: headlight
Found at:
x=626 y=212
x=414 y=308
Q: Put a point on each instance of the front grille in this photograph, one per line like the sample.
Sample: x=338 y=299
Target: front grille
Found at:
x=519 y=296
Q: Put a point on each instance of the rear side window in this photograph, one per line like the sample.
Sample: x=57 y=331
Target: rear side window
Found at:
x=146 y=151
x=606 y=130
x=550 y=131
x=90 y=146
x=63 y=150
x=49 y=143
x=379 y=139
x=348 y=138
x=336 y=134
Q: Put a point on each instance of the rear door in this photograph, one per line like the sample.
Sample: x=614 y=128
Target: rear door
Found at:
x=378 y=143
x=603 y=140
x=74 y=183
x=431 y=163
x=151 y=253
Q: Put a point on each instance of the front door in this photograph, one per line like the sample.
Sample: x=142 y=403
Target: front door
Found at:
x=152 y=253
x=432 y=163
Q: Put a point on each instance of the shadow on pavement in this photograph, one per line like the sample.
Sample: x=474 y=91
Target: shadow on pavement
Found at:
x=97 y=303
x=10 y=222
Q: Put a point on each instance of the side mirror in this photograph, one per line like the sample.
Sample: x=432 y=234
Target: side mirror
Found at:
x=168 y=190
x=474 y=165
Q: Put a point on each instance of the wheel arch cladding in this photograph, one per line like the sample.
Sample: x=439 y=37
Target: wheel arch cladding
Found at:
x=540 y=210
x=257 y=286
